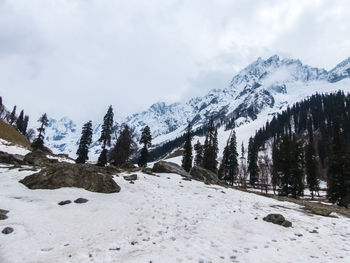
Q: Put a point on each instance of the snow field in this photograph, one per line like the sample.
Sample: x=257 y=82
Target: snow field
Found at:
x=161 y=219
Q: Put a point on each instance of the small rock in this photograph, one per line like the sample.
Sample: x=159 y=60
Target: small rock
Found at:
x=131 y=182
x=80 y=200
x=7 y=230
x=314 y=231
x=66 y=202
x=147 y=171
x=3 y=217
x=277 y=219
x=3 y=213
x=132 y=177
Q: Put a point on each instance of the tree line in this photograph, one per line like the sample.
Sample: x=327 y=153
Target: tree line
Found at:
x=124 y=148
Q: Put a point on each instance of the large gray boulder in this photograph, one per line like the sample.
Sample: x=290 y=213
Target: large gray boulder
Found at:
x=277 y=219
x=89 y=177
x=38 y=158
x=11 y=158
x=169 y=167
x=201 y=174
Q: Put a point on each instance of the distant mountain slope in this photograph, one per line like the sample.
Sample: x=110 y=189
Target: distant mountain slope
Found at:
x=257 y=92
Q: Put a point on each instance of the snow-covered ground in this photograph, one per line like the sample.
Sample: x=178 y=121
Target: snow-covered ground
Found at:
x=11 y=148
x=161 y=219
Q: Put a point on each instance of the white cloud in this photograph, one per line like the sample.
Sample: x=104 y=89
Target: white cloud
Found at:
x=76 y=57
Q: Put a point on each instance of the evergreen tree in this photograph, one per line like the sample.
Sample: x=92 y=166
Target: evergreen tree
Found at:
x=339 y=168
x=124 y=147
x=85 y=141
x=2 y=108
x=38 y=143
x=20 y=122
x=12 y=116
x=229 y=165
x=198 y=148
x=210 y=150
x=105 y=138
x=275 y=179
x=25 y=124
x=146 y=140
x=311 y=163
x=252 y=162
x=243 y=171
x=187 y=154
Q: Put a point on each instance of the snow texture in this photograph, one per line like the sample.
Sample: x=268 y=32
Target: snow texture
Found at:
x=161 y=219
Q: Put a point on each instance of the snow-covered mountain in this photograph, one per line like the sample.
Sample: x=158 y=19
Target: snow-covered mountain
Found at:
x=256 y=93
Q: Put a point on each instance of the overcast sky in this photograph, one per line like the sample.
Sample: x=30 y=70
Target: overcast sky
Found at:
x=75 y=57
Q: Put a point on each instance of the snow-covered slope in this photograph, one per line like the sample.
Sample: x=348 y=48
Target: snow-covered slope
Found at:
x=161 y=219
x=260 y=90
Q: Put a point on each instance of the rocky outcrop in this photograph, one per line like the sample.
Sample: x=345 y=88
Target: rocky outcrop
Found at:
x=277 y=219
x=87 y=176
x=38 y=158
x=201 y=174
x=11 y=158
x=131 y=177
x=169 y=167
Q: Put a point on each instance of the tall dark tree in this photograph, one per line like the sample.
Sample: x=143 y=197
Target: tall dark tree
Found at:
x=38 y=143
x=124 y=147
x=20 y=122
x=252 y=162
x=275 y=178
x=198 y=148
x=229 y=164
x=84 y=143
x=311 y=163
x=187 y=156
x=105 y=138
x=2 y=108
x=146 y=140
x=243 y=170
x=25 y=124
x=12 y=116
x=210 y=150
x=339 y=168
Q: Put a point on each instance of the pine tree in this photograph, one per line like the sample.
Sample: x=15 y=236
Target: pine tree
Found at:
x=124 y=147
x=187 y=154
x=311 y=163
x=2 y=108
x=297 y=168
x=243 y=171
x=229 y=165
x=275 y=179
x=198 y=148
x=85 y=141
x=12 y=116
x=210 y=150
x=105 y=138
x=146 y=140
x=20 y=122
x=39 y=142
x=339 y=168
x=25 y=124
x=252 y=162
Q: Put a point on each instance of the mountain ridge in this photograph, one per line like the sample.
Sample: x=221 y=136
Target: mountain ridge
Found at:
x=263 y=84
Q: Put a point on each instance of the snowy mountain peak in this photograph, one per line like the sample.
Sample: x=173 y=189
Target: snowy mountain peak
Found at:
x=341 y=71
x=266 y=85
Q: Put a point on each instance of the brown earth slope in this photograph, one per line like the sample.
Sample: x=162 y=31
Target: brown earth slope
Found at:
x=10 y=134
